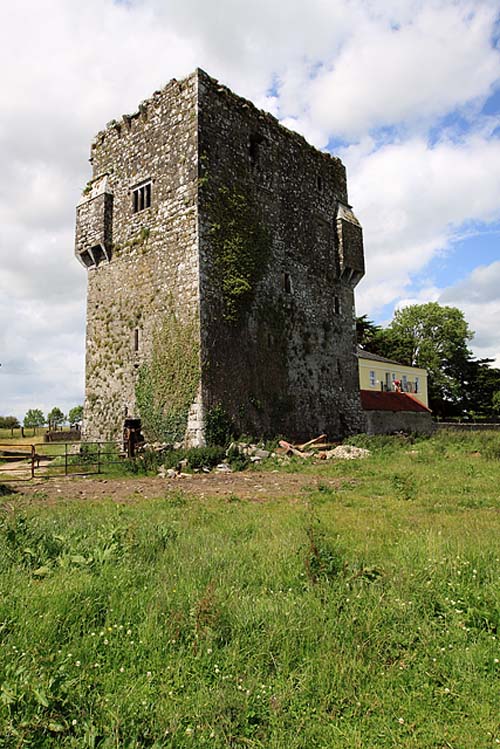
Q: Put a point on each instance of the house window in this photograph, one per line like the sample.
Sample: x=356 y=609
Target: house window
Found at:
x=372 y=378
x=141 y=197
x=416 y=384
x=404 y=380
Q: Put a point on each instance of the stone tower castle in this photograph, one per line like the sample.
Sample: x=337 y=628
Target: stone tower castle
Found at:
x=222 y=256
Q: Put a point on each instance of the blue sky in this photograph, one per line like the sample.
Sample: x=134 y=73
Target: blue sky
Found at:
x=406 y=92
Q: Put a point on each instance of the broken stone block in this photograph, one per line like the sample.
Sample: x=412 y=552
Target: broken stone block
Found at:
x=224 y=468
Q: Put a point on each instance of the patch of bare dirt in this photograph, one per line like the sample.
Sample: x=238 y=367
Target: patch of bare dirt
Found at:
x=256 y=486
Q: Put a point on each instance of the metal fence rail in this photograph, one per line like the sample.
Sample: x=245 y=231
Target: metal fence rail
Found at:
x=25 y=462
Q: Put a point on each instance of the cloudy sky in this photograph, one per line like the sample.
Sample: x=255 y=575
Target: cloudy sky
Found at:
x=406 y=92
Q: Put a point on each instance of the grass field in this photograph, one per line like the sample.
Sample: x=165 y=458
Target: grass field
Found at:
x=362 y=616
x=31 y=436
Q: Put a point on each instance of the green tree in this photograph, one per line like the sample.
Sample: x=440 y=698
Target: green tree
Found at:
x=55 y=418
x=489 y=385
x=367 y=332
x=435 y=338
x=75 y=415
x=9 y=422
x=34 y=418
x=482 y=384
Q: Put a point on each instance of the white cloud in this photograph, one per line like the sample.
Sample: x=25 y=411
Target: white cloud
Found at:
x=42 y=348
x=479 y=299
x=482 y=285
x=412 y=199
x=434 y=62
x=325 y=67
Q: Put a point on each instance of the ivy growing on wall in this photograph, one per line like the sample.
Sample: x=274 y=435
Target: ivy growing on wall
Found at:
x=219 y=428
x=241 y=247
x=167 y=384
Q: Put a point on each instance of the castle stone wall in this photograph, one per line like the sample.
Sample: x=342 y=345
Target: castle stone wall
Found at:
x=235 y=286
x=153 y=269
x=287 y=363
x=390 y=422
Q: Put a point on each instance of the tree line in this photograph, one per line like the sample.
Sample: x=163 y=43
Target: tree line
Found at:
x=35 y=418
x=436 y=338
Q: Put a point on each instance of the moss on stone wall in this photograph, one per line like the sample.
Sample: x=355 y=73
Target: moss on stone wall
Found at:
x=167 y=384
x=241 y=247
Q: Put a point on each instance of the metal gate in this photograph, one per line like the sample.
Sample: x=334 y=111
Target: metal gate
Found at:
x=24 y=462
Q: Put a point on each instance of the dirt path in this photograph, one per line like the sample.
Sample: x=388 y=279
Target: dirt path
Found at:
x=255 y=486
x=21 y=469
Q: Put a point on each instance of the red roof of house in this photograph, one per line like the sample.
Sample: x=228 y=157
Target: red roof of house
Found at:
x=388 y=401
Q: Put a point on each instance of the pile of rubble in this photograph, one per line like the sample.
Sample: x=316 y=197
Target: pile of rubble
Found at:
x=317 y=449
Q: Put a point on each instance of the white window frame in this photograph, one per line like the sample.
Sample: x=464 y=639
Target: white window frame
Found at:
x=142 y=196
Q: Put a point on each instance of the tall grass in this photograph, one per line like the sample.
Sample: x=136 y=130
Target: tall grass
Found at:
x=366 y=615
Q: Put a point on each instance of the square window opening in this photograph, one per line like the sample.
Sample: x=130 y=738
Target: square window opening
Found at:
x=141 y=197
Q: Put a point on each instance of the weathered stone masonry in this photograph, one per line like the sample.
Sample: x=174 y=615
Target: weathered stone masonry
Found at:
x=243 y=268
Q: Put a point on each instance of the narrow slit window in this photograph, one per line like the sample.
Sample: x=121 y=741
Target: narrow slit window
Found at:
x=336 y=305
x=319 y=183
x=141 y=197
x=287 y=283
x=136 y=340
x=255 y=143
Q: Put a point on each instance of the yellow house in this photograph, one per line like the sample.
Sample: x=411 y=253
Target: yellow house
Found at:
x=376 y=373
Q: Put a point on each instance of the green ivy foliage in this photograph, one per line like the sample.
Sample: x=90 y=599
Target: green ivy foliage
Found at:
x=241 y=246
x=167 y=384
x=218 y=426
